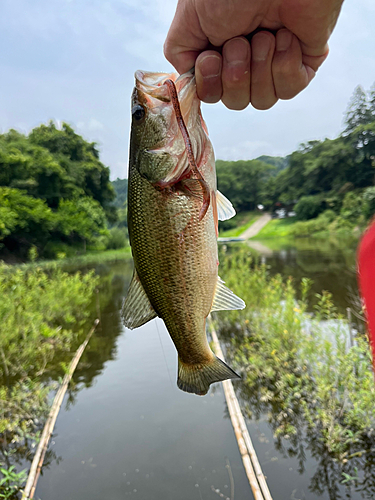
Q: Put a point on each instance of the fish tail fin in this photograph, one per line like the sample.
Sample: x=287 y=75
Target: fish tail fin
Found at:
x=197 y=378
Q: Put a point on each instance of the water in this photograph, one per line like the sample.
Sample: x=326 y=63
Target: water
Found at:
x=330 y=264
x=126 y=431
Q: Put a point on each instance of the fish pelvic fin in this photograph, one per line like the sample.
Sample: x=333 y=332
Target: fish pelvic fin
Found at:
x=225 y=299
x=136 y=309
x=197 y=378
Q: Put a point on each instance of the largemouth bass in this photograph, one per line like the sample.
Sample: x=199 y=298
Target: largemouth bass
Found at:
x=173 y=212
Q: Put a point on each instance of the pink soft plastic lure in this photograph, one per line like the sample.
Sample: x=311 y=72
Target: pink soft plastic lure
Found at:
x=189 y=149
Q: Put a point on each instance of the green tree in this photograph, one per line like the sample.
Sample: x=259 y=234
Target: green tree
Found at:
x=358 y=111
x=81 y=218
x=371 y=100
x=24 y=221
x=243 y=182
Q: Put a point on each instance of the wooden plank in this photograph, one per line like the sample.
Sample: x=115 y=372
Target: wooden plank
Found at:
x=250 y=460
x=37 y=462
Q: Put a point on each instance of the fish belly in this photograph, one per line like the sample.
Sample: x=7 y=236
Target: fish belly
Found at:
x=175 y=256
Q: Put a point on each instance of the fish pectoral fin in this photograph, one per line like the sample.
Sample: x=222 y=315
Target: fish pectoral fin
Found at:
x=137 y=309
x=225 y=208
x=197 y=378
x=225 y=299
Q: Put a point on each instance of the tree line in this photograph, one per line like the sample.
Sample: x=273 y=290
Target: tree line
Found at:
x=55 y=193
x=332 y=174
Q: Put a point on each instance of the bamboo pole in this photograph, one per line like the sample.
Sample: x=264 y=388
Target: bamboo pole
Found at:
x=37 y=462
x=250 y=460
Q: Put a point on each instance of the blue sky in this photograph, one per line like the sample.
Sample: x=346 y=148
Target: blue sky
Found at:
x=74 y=61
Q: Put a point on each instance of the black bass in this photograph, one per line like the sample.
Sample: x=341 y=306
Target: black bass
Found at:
x=173 y=212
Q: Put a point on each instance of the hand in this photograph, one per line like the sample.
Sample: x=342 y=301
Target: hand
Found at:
x=210 y=34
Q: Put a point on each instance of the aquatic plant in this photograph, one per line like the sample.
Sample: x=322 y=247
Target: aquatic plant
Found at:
x=299 y=368
x=41 y=314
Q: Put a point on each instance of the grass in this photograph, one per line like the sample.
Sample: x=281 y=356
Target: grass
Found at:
x=81 y=260
x=276 y=228
x=299 y=369
x=243 y=221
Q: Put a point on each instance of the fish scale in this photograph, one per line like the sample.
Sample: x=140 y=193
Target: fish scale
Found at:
x=175 y=253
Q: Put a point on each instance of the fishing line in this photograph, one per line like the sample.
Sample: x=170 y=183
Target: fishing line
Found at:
x=229 y=468
x=165 y=358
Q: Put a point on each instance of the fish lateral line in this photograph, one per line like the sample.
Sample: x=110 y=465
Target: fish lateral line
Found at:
x=189 y=148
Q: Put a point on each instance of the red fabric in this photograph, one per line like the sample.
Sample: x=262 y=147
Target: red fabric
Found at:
x=366 y=278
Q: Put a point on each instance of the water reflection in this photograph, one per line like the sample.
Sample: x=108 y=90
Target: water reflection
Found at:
x=330 y=263
x=19 y=448
x=321 y=474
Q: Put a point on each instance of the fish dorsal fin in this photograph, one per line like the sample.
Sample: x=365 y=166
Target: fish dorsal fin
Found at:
x=225 y=208
x=137 y=309
x=225 y=299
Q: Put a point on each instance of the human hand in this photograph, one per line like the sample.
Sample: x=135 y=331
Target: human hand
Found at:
x=210 y=34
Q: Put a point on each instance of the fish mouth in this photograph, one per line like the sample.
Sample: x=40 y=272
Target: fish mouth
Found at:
x=151 y=91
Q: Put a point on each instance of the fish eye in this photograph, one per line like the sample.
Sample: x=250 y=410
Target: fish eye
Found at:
x=138 y=113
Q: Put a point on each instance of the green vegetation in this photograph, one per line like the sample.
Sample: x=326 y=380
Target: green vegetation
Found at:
x=42 y=316
x=331 y=177
x=121 y=189
x=55 y=194
x=300 y=370
x=277 y=228
x=237 y=225
x=243 y=182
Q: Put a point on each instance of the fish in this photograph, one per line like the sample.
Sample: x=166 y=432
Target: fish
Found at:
x=173 y=212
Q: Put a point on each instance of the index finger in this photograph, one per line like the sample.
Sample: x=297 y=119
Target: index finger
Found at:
x=185 y=40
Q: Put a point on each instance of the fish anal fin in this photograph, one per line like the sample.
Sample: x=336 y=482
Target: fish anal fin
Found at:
x=137 y=309
x=197 y=378
x=225 y=299
x=225 y=208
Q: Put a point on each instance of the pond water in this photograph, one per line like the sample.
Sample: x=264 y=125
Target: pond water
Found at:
x=330 y=264
x=126 y=431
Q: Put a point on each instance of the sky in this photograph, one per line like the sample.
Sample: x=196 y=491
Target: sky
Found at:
x=74 y=61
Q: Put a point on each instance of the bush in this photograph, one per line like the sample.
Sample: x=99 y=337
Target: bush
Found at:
x=116 y=239
x=308 y=207
x=352 y=207
x=41 y=315
x=298 y=367
x=310 y=227
x=369 y=201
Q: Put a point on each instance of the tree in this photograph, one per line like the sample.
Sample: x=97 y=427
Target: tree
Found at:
x=371 y=100
x=82 y=218
x=243 y=181
x=24 y=221
x=358 y=111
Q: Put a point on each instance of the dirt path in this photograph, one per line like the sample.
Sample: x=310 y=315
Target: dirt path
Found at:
x=256 y=227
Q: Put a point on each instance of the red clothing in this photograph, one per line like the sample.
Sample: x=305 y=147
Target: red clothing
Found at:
x=366 y=278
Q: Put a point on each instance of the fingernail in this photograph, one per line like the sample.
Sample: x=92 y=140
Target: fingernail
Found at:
x=210 y=66
x=236 y=51
x=260 y=45
x=283 y=40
